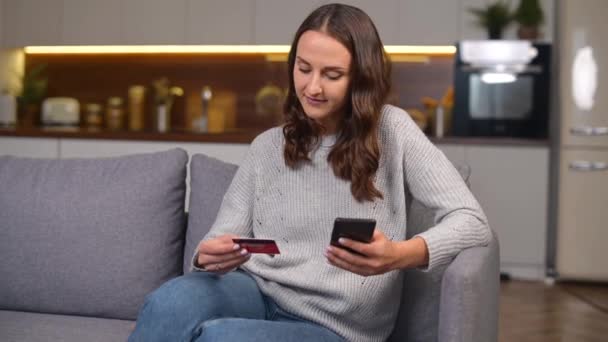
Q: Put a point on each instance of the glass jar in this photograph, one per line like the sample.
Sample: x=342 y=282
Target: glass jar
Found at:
x=115 y=114
x=93 y=117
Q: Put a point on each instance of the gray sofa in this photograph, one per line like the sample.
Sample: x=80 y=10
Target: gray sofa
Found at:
x=83 y=241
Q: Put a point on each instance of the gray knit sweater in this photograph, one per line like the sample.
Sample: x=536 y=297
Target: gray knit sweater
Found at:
x=297 y=208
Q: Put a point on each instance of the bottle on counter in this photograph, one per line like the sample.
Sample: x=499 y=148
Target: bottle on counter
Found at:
x=8 y=110
x=115 y=114
x=136 y=107
x=93 y=117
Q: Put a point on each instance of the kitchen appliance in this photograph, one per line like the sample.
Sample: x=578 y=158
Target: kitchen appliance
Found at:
x=8 y=110
x=501 y=89
x=60 y=111
x=580 y=250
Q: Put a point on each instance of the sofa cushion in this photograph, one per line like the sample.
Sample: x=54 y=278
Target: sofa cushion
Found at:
x=90 y=237
x=209 y=180
x=35 y=327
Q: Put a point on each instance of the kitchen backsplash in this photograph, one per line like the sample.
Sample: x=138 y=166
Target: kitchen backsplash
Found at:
x=245 y=90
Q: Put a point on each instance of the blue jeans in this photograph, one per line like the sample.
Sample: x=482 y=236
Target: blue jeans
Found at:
x=205 y=307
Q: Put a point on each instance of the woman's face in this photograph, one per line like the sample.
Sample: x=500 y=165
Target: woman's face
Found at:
x=322 y=78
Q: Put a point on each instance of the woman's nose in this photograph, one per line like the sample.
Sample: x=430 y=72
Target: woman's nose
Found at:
x=314 y=87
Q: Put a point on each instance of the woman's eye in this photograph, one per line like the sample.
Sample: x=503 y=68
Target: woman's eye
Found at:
x=334 y=76
x=304 y=71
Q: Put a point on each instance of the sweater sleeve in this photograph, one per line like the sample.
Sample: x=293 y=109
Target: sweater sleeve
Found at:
x=459 y=221
x=235 y=214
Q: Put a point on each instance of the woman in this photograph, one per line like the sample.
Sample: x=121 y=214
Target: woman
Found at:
x=341 y=153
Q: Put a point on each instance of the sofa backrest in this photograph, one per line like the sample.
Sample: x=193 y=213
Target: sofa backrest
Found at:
x=90 y=237
x=209 y=180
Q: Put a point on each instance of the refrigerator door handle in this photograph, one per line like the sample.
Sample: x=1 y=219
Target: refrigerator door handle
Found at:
x=589 y=130
x=584 y=165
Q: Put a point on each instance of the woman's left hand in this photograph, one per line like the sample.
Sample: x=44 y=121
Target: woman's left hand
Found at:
x=379 y=256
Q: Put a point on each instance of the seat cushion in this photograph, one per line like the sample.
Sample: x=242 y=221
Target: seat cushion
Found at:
x=209 y=181
x=34 y=327
x=90 y=237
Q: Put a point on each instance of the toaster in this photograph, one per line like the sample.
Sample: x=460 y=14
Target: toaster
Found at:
x=60 y=111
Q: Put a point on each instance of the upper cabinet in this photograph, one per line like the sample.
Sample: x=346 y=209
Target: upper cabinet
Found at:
x=220 y=22
x=32 y=22
x=92 y=22
x=154 y=22
x=1 y=20
x=158 y=22
x=276 y=21
x=385 y=16
x=428 y=22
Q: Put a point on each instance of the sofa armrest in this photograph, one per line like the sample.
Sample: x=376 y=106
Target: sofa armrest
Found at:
x=468 y=310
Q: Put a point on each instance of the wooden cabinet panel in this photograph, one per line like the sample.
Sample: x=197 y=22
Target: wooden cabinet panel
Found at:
x=32 y=22
x=154 y=22
x=220 y=22
x=92 y=22
x=428 y=22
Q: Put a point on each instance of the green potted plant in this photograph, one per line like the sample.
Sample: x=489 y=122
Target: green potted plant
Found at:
x=494 y=17
x=529 y=15
x=33 y=91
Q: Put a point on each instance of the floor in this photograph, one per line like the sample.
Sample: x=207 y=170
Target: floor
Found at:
x=535 y=312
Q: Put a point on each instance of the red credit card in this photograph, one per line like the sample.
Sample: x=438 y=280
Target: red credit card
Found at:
x=265 y=246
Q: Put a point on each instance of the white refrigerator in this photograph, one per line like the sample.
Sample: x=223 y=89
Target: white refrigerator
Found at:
x=581 y=248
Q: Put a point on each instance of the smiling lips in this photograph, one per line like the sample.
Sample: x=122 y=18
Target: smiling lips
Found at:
x=314 y=102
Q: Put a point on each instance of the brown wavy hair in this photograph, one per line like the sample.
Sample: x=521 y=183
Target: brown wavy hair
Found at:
x=356 y=154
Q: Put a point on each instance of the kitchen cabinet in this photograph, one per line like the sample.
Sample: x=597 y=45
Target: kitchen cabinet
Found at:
x=220 y=22
x=582 y=215
x=428 y=22
x=154 y=22
x=92 y=22
x=1 y=23
x=511 y=184
x=276 y=21
x=29 y=147
x=454 y=152
x=385 y=16
x=89 y=148
x=32 y=22
x=469 y=30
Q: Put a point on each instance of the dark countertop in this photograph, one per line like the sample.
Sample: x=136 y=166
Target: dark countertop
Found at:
x=239 y=137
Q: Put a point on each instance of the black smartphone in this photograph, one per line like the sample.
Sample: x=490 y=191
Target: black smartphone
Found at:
x=352 y=228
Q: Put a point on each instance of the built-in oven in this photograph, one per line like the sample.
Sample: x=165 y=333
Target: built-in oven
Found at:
x=503 y=94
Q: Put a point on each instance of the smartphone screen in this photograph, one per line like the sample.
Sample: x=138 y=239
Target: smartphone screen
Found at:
x=352 y=228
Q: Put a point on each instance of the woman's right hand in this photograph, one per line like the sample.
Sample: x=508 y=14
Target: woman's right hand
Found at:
x=221 y=254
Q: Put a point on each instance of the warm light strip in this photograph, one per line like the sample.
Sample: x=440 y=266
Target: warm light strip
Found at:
x=210 y=49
